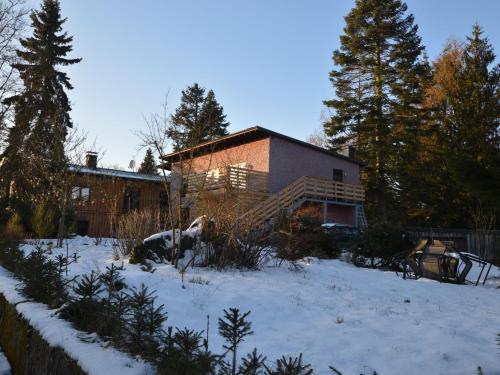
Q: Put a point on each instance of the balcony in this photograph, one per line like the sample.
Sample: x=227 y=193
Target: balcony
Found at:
x=227 y=178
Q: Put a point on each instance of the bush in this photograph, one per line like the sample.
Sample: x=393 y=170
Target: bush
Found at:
x=14 y=229
x=301 y=235
x=45 y=220
x=10 y=255
x=134 y=227
x=42 y=279
x=377 y=244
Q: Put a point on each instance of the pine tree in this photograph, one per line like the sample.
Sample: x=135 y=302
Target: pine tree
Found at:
x=292 y=366
x=143 y=329
x=379 y=84
x=252 y=364
x=474 y=126
x=213 y=118
x=148 y=165
x=234 y=328
x=35 y=144
x=198 y=118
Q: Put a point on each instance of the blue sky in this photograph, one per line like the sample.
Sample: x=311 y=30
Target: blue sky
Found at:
x=266 y=60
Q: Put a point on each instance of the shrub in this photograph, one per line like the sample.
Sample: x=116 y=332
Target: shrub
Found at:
x=11 y=256
x=134 y=227
x=45 y=220
x=301 y=235
x=42 y=279
x=14 y=229
x=378 y=243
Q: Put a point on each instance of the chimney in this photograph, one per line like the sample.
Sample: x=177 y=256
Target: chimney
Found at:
x=91 y=159
x=352 y=152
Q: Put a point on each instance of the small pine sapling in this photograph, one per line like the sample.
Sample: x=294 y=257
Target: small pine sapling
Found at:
x=291 y=366
x=143 y=323
x=184 y=353
x=89 y=287
x=114 y=306
x=85 y=308
x=41 y=279
x=234 y=328
x=112 y=281
x=252 y=364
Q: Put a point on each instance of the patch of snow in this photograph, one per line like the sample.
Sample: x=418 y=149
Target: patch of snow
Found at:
x=193 y=230
x=93 y=357
x=354 y=319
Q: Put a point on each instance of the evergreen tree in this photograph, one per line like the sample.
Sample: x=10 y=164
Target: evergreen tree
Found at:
x=148 y=165
x=253 y=364
x=464 y=154
x=474 y=126
x=143 y=328
x=292 y=366
x=213 y=118
x=379 y=83
x=234 y=328
x=198 y=118
x=35 y=144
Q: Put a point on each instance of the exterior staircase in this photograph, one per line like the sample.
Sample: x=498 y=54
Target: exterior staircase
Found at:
x=302 y=189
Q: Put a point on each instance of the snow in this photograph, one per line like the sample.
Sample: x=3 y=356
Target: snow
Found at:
x=114 y=173
x=4 y=365
x=193 y=230
x=93 y=357
x=357 y=320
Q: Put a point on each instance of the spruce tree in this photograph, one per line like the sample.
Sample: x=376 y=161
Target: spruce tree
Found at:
x=234 y=328
x=198 y=118
x=379 y=84
x=474 y=126
x=148 y=165
x=213 y=118
x=35 y=144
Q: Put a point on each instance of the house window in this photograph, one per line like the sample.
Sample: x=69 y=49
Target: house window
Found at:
x=131 y=197
x=79 y=193
x=338 y=175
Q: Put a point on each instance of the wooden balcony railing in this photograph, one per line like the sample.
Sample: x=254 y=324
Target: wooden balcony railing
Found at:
x=303 y=188
x=227 y=178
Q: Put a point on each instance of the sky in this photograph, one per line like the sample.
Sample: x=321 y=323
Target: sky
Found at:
x=266 y=60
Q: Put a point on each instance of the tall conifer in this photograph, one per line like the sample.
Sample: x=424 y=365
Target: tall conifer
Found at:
x=198 y=118
x=378 y=80
x=35 y=151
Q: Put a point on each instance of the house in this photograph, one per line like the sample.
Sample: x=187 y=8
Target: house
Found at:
x=100 y=196
x=268 y=172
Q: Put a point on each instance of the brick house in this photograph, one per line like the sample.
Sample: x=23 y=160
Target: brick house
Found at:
x=270 y=172
x=100 y=196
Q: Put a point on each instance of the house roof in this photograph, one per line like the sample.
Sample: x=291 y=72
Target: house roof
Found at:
x=82 y=169
x=239 y=138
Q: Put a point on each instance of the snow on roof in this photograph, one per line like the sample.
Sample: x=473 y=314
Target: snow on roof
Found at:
x=114 y=173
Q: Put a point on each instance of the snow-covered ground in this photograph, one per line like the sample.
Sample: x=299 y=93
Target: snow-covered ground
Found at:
x=358 y=320
x=4 y=365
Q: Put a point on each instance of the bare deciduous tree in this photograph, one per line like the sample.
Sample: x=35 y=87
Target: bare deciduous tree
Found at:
x=12 y=23
x=318 y=138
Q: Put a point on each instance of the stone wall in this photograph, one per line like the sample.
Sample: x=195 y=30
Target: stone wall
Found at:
x=27 y=351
